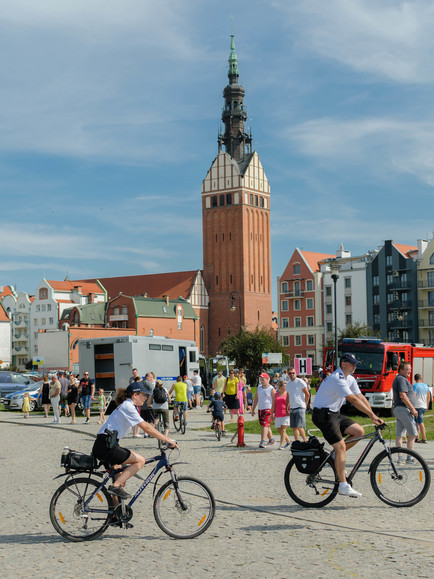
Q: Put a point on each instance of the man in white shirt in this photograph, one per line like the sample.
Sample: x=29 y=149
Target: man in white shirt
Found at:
x=296 y=404
x=335 y=389
x=197 y=385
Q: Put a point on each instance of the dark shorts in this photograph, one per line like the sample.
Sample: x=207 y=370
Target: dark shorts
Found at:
x=218 y=416
x=331 y=424
x=232 y=401
x=116 y=455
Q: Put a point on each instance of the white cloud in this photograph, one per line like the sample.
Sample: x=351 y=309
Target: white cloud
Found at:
x=391 y=38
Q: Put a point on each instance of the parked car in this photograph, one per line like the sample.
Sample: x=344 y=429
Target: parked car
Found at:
x=14 y=401
x=11 y=382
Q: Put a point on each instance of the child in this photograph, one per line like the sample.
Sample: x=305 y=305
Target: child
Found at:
x=249 y=398
x=211 y=397
x=101 y=406
x=26 y=404
x=216 y=407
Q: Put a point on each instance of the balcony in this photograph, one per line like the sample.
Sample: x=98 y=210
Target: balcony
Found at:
x=119 y=318
x=400 y=324
x=400 y=305
x=426 y=323
x=425 y=284
x=426 y=304
x=293 y=295
x=399 y=284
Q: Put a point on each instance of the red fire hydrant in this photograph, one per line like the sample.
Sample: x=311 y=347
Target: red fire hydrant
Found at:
x=240 y=431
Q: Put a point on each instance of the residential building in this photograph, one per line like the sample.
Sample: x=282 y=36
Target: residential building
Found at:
x=299 y=298
x=391 y=285
x=236 y=225
x=350 y=292
x=5 y=338
x=52 y=298
x=425 y=287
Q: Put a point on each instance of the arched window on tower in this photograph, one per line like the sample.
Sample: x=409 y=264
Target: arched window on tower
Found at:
x=228 y=198
x=214 y=201
x=222 y=200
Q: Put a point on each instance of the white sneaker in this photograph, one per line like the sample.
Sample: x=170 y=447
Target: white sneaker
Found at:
x=347 y=491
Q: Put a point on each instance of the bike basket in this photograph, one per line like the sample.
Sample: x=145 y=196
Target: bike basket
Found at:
x=79 y=461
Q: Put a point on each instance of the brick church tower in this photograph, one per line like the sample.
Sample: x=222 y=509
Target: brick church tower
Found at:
x=236 y=225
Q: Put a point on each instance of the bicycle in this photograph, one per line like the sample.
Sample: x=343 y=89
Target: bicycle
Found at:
x=81 y=509
x=179 y=421
x=218 y=428
x=399 y=477
x=160 y=428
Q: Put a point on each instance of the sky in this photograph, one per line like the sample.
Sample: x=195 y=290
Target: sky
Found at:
x=110 y=112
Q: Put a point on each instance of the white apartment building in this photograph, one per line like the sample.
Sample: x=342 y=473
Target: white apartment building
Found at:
x=350 y=292
x=52 y=297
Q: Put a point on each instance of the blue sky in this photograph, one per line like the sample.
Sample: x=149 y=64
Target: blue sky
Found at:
x=110 y=113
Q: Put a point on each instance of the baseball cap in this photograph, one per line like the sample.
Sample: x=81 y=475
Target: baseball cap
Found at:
x=264 y=375
x=136 y=387
x=347 y=357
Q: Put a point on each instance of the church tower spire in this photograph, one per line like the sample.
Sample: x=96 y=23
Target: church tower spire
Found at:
x=236 y=141
x=236 y=227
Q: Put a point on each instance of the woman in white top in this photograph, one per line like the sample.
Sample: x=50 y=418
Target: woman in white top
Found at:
x=121 y=420
x=264 y=402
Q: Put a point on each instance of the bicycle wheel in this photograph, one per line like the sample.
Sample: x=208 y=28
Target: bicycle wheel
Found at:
x=182 y=422
x=69 y=516
x=187 y=520
x=160 y=428
x=312 y=490
x=218 y=431
x=176 y=423
x=400 y=483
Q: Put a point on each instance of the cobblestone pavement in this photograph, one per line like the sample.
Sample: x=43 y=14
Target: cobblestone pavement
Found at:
x=257 y=532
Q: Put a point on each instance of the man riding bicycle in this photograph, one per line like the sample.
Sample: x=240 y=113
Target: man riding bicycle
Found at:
x=335 y=389
x=181 y=399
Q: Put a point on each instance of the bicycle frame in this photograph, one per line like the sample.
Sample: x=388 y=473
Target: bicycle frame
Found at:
x=163 y=462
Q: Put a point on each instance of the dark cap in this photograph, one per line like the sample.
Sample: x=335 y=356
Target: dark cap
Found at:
x=347 y=357
x=136 y=387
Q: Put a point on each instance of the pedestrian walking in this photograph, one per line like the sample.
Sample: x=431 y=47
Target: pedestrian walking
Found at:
x=264 y=402
x=280 y=412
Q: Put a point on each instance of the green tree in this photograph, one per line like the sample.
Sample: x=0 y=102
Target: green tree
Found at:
x=246 y=349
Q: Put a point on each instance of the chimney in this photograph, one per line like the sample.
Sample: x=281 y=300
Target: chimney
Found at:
x=78 y=288
x=166 y=298
x=90 y=298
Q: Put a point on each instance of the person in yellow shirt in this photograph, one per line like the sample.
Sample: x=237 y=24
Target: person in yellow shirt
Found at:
x=180 y=388
x=230 y=393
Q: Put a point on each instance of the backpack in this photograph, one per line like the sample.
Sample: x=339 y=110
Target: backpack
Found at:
x=160 y=395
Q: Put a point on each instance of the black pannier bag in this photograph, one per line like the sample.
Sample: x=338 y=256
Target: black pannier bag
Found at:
x=309 y=455
x=79 y=461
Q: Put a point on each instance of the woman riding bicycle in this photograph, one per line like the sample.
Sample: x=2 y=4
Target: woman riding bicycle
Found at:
x=122 y=420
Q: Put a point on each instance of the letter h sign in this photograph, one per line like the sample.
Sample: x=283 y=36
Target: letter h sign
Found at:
x=303 y=366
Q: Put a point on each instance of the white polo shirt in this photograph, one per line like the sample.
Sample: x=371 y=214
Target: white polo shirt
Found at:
x=122 y=419
x=334 y=390
x=296 y=395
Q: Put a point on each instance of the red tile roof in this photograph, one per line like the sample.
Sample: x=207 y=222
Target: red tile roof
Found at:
x=6 y=292
x=405 y=249
x=68 y=286
x=174 y=284
x=3 y=314
x=313 y=258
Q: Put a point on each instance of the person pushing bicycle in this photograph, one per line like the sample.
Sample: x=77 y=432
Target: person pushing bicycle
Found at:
x=335 y=389
x=106 y=447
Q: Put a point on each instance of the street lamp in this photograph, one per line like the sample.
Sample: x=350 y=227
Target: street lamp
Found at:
x=335 y=267
x=233 y=307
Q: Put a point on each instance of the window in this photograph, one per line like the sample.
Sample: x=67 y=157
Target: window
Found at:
x=310 y=340
x=347 y=300
x=296 y=268
x=347 y=281
x=284 y=287
x=376 y=318
x=375 y=280
x=125 y=311
x=430 y=278
x=285 y=322
x=285 y=340
x=297 y=305
x=48 y=307
x=431 y=259
x=51 y=321
x=389 y=279
x=296 y=288
x=328 y=309
x=309 y=304
x=388 y=260
x=43 y=307
x=298 y=340
x=155 y=346
x=216 y=279
x=309 y=285
x=256 y=201
x=179 y=317
x=222 y=200
x=376 y=298
x=328 y=291
x=348 y=319
x=43 y=321
x=38 y=308
x=310 y=321
x=228 y=198
x=251 y=199
x=329 y=327
x=124 y=324
x=213 y=201
x=261 y=202
x=431 y=298
x=297 y=322
x=116 y=311
x=284 y=307
x=43 y=293
x=169 y=348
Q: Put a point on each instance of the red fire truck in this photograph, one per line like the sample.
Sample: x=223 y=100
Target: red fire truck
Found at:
x=378 y=366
